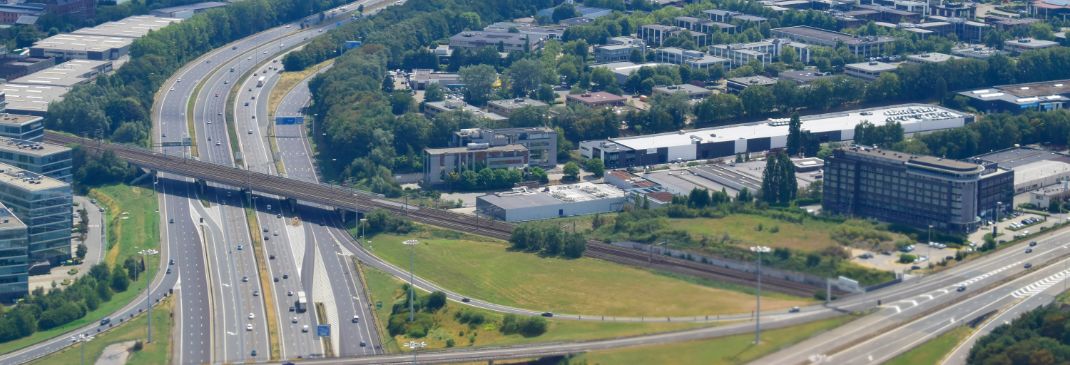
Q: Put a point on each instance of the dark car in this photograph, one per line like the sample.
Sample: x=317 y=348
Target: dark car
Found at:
x=253 y=353
x=285 y=276
x=466 y=300
x=1028 y=265
x=1028 y=250
x=961 y=288
x=547 y=314
x=276 y=279
x=1033 y=244
x=105 y=321
x=291 y=308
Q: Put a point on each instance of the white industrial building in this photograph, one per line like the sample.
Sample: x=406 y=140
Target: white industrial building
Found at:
x=523 y=204
x=707 y=143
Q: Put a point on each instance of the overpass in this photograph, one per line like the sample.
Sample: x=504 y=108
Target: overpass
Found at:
x=323 y=194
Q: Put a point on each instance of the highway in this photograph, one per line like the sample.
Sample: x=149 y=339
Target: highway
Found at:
x=987 y=280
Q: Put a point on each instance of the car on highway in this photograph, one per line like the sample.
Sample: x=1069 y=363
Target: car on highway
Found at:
x=256 y=293
x=249 y=327
x=289 y=293
x=961 y=288
x=252 y=353
x=285 y=276
x=172 y=220
x=356 y=318
x=105 y=321
x=276 y=233
x=1033 y=244
x=172 y=262
x=168 y=270
x=252 y=316
x=1028 y=265
x=272 y=257
x=294 y=320
x=1028 y=250
x=250 y=131
x=291 y=308
x=466 y=300
x=276 y=279
x=304 y=328
x=217 y=143
x=547 y=314
x=233 y=48
x=794 y=310
x=245 y=279
x=362 y=344
x=240 y=247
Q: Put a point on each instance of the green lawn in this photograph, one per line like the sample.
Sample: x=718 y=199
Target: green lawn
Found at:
x=812 y=235
x=155 y=353
x=486 y=269
x=137 y=228
x=738 y=349
x=387 y=289
x=934 y=350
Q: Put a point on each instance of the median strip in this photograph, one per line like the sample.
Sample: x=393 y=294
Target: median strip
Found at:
x=271 y=317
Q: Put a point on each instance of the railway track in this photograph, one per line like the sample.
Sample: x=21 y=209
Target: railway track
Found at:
x=355 y=200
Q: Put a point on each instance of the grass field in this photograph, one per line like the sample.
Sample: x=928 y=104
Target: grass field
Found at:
x=287 y=81
x=486 y=269
x=128 y=233
x=155 y=353
x=387 y=289
x=813 y=235
x=738 y=349
x=931 y=352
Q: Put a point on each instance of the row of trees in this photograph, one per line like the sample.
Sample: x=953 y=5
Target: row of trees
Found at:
x=40 y=311
x=117 y=106
x=1038 y=337
x=779 y=186
x=548 y=240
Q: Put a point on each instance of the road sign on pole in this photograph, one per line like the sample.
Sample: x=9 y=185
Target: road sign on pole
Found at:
x=323 y=330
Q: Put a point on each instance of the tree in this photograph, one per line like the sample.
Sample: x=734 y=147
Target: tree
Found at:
x=564 y=11
x=572 y=171
x=388 y=84
x=744 y=196
x=434 y=92
x=528 y=116
x=435 y=301
x=525 y=76
x=595 y=166
x=478 y=83
x=81 y=251
x=119 y=280
x=778 y=180
x=698 y=198
x=794 y=134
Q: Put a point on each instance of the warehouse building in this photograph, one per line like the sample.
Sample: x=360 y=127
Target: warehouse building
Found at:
x=725 y=141
x=1033 y=168
x=186 y=11
x=130 y=27
x=14 y=274
x=522 y=204
x=80 y=46
x=506 y=107
x=504 y=41
x=918 y=191
x=433 y=108
x=44 y=204
x=66 y=74
x=867 y=46
x=31 y=99
x=1042 y=96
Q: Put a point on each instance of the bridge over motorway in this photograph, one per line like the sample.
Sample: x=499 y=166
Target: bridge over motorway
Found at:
x=358 y=201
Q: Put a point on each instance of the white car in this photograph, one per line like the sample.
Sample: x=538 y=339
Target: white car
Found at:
x=251 y=315
x=304 y=328
x=294 y=320
x=249 y=327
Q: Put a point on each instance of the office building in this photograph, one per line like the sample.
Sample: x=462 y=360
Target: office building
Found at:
x=522 y=204
x=618 y=49
x=541 y=142
x=693 y=59
x=1042 y=96
x=866 y=46
x=419 y=79
x=727 y=141
x=433 y=108
x=21 y=127
x=11 y=14
x=85 y=47
x=622 y=70
x=762 y=52
x=43 y=158
x=503 y=41
x=803 y=77
x=506 y=107
x=975 y=51
x=693 y=92
x=930 y=57
x=736 y=85
x=535 y=31
x=917 y=191
x=44 y=204
x=656 y=34
x=440 y=162
x=14 y=249
x=703 y=25
x=869 y=71
x=597 y=99
x=1017 y=46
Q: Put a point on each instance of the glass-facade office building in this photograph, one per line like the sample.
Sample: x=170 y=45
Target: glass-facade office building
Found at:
x=44 y=204
x=14 y=280
x=917 y=191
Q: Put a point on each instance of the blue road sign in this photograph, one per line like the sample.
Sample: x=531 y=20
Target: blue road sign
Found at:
x=285 y=120
x=323 y=330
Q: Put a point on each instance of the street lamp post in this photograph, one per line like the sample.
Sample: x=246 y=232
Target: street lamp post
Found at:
x=363 y=223
x=650 y=254
x=415 y=346
x=929 y=250
x=995 y=225
x=758 y=296
x=82 y=338
x=412 y=251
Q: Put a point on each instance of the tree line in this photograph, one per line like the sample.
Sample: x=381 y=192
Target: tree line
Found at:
x=40 y=311
x=548 y=240
x=1039 y=337
x=118 y=106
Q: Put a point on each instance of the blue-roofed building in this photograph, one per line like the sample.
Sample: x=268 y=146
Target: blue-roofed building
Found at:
x=585 y=12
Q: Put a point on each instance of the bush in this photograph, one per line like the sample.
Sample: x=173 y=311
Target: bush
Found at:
x=435 y=301
x=906 y=258
x=525 y=326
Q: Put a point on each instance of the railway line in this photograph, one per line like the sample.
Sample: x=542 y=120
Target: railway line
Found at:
x=355 y=200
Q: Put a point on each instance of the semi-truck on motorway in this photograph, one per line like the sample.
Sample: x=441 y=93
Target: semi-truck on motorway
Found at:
x=301 y=305
x=260 y=81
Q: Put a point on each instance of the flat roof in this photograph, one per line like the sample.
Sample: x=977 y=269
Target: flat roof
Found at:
x=683 y=88
x=1026 y=93
x=907 y=114
x=1038 y=170
x=597 y=97
x=27 y=180
x=831 y=36
x=131 y=27
x=459 y=105
x=18 y=119
x=453 y=150
x=83 y=42
x=193 y=7
x=803 y=75
x=919 y=160
x=31 y=98
x=932 y=57
x=8 y=220
x=39 y=149
x=517 y=103
x=873 y=66
x=1014 y=157
x=553 y=195
x=753 y=80
x=66 y=74
x=1030 y=43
